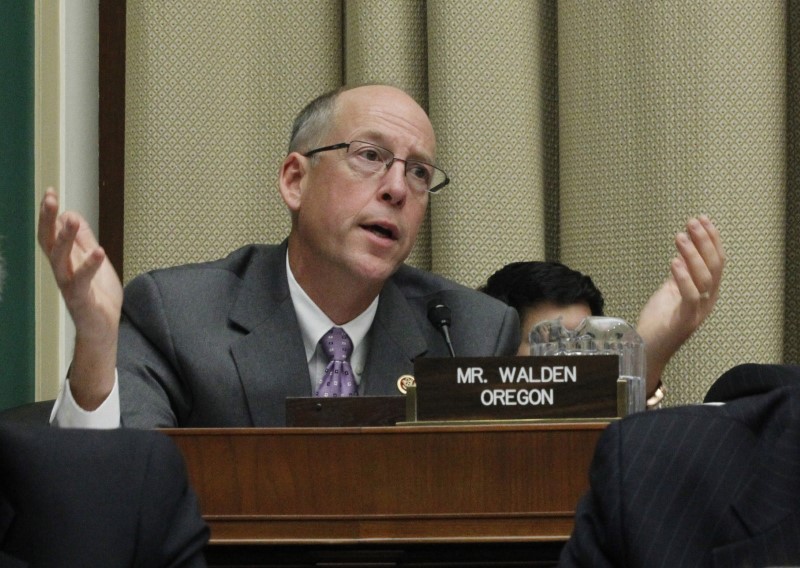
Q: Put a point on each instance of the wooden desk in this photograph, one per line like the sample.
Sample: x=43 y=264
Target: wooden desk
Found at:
x=395 y=486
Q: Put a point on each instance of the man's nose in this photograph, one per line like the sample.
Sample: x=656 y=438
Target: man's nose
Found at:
x=395 y=188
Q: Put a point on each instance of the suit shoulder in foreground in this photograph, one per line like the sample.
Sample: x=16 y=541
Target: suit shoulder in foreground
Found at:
x=96 y=498
x=695 y=486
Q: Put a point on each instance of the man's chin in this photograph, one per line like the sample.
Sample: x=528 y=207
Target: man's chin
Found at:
x=377 y=269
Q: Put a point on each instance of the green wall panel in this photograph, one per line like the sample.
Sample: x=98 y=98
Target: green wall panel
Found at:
x=16 y=201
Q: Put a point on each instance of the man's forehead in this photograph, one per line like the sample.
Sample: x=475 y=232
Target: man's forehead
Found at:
x=385 y=116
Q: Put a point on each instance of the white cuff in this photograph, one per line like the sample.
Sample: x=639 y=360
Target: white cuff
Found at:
x=67 y=414
x=654 y=402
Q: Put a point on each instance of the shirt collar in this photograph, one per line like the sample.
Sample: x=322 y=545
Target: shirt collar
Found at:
x=314 y=323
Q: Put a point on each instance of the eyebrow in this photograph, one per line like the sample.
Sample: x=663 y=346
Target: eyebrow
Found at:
x=379 y=139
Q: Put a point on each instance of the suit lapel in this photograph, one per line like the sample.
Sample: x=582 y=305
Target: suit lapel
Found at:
x=769 y=504
x=265 y=311
x=270 y=358
x=396 y=339
x=778 y=546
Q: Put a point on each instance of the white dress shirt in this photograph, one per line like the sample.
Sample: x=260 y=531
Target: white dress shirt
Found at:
x=314 y=324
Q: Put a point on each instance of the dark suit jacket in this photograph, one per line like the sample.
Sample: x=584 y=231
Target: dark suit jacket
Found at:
x=77 y=498
x=218 y=344
x=696 y=486
x=751 y=379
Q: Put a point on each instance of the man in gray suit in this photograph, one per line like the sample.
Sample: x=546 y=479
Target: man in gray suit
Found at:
x=224 y=343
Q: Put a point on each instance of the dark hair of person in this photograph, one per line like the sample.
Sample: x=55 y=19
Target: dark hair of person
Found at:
x=523 y=285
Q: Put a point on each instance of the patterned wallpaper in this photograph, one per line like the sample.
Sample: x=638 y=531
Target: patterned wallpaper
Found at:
x=576 y=130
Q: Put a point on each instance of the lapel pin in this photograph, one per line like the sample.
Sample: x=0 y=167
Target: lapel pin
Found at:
x=404 y=382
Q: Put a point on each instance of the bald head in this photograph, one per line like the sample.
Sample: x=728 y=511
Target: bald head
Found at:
x=315 y=121
x=390 y=106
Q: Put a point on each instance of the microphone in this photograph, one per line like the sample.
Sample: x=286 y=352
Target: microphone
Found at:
x=439 y=316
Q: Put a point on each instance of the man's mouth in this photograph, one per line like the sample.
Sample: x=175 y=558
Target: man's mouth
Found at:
x=381 y=231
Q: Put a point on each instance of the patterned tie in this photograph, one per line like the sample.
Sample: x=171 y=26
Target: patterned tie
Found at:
x=338 y=379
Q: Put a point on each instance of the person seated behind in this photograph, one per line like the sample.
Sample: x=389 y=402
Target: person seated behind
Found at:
x=698 y=485
x=541 y=290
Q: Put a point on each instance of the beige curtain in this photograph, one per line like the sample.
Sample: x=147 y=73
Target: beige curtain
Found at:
x=584 y=131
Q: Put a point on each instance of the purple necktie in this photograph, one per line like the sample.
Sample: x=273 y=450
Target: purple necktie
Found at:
x=338 y=379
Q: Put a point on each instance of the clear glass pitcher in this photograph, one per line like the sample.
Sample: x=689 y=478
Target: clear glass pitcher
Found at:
x=598 y=335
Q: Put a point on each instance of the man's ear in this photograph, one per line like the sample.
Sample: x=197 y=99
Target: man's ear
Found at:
x=290 y=181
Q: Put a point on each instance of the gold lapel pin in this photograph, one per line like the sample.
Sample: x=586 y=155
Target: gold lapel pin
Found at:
x=404 y=382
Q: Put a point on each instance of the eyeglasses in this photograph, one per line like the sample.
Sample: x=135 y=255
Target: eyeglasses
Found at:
x=369 y=159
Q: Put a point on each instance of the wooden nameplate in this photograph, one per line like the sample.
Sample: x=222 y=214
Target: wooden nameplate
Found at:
x=345 y=411
x=514 y=388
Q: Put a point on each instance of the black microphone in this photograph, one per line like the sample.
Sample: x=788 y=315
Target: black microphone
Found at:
x=439 y=316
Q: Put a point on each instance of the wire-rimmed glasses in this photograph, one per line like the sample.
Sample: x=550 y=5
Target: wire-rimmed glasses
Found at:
x=369 y=159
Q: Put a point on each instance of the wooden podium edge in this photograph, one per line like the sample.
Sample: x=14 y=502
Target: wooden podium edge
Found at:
x=303 y=530
x=243 y=480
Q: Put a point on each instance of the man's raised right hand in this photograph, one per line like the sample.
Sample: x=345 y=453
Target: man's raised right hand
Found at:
x=93 y=295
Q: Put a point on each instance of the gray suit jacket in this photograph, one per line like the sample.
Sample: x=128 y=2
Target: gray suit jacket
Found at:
x=697 y=485
x=218 y=344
